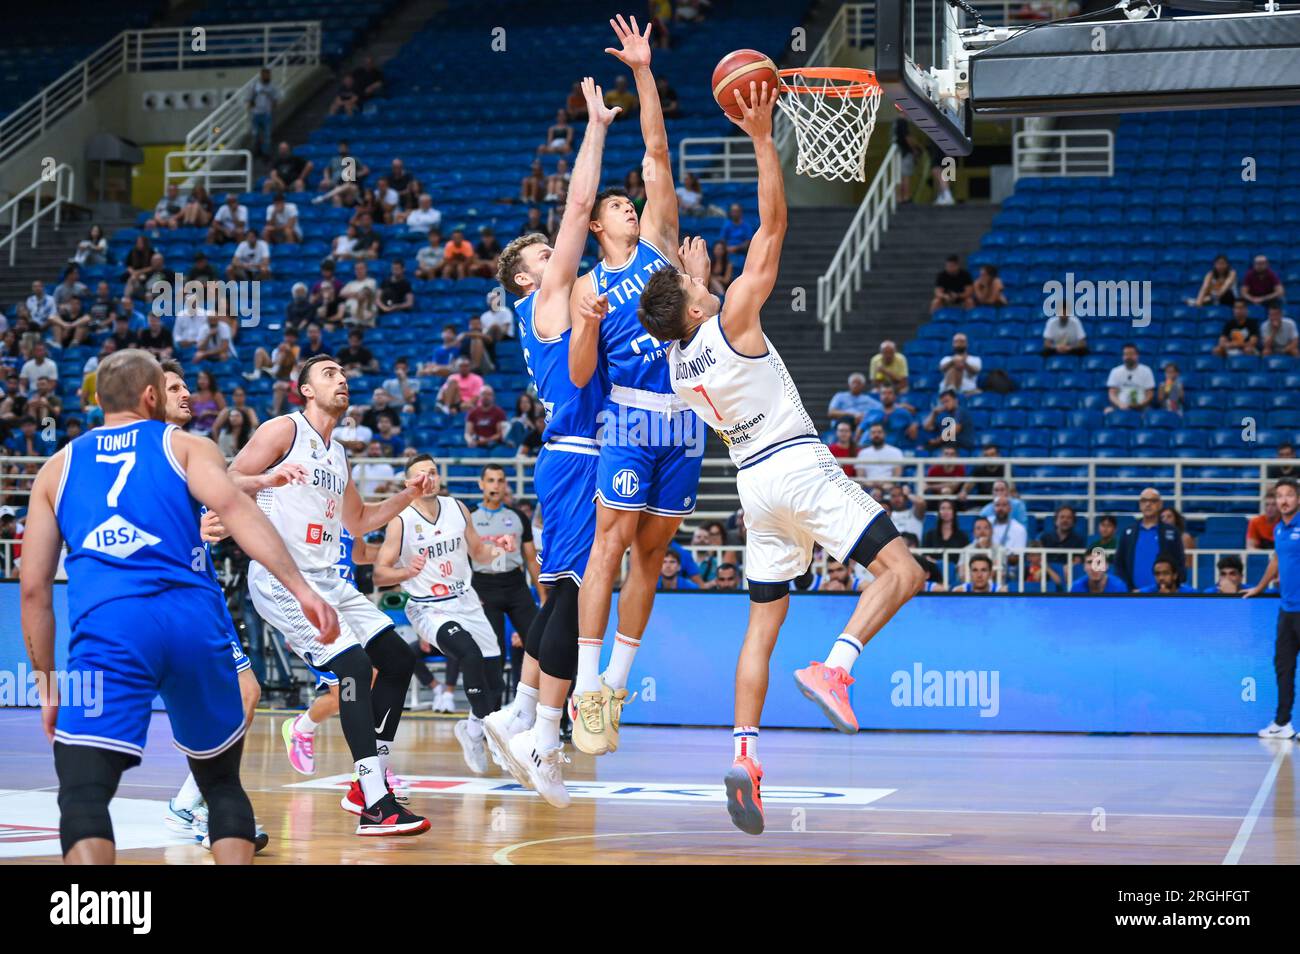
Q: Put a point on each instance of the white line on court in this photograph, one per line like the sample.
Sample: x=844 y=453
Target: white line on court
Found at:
x=1252 y=813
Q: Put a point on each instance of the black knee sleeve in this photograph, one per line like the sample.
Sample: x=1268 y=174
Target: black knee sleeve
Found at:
x=494 y=672
x=88 y=779
x=352 y=666
x=456 y=643
x=767 y=592
x=558 y=654
x=873 y=540
x=230 y=813
x=394 y=666
x=533 y=638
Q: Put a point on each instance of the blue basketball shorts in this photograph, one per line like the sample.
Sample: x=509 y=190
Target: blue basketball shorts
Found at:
x=565 y=478
x=123 y=653
x=650 y=460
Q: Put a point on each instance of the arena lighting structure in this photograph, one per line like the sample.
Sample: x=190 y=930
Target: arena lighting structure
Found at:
x=1127 y=58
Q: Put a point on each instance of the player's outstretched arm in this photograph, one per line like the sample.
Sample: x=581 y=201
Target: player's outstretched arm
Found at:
x=659 y=217
x=386 y=571
x=42 y=543
x=251 y=468
x=551 y=315
x=748 y=293
x=361 y=517
x=205 y=471
x=588 y=310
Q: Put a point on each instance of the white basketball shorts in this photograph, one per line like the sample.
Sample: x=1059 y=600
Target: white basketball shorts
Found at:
x=428 y=616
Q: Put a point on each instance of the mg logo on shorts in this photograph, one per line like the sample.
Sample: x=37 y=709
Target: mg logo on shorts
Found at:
x=625 y=483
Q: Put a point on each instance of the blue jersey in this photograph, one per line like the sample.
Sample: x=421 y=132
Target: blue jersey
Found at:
x=345 y=567
x=1286 y=544
x=570 y=411
x=125 y=510
x=636 y=358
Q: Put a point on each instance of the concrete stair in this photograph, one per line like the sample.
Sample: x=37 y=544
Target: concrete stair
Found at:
x=50 y=257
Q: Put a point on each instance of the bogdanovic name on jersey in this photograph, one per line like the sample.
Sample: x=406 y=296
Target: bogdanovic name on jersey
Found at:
x=685 y=370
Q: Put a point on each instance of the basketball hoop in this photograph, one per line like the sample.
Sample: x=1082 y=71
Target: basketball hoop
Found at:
x=833 y=111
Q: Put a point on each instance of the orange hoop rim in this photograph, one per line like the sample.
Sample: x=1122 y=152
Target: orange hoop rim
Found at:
x=859 y=82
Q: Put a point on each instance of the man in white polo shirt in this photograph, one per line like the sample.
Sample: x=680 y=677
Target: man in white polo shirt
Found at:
x=877 y=456
x=1131 y=385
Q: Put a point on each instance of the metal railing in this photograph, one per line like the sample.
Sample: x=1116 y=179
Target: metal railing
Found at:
x=133 y=51
x=717 y=159
x=64 y=181
x=1063 y=152
x=852 y=260
x=235 y=175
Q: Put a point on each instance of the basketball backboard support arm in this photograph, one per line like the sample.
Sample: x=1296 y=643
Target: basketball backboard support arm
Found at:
x=1127 y=59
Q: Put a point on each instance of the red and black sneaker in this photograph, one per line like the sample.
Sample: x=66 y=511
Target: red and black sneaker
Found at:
x=389 y=818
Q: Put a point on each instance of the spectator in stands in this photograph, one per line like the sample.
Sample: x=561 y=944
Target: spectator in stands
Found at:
x=575 y=104
x=1259 y=530
x=619 y=95
x=1008 y=533
x=556 y=188
x=201 y=269
x=72 y=430
x=40 y=304
x=1130 y=386
x=445 y=355
x=721 y=272
x=369 y=79
x=340 y=176
x=430 y=258
x=477 y=346
x=93 y=249
x=534 y=223
x=231 y=432
x=1142 y=542
x=300 y=310
x=352 y=433
x=461 y=389
x=329 y=311
x=728 y=578
x=423 y=217
x=403 y=388
x=327 y=277
x=844 y=447
x=157 y=338
x=533 y=186
x=1231 y=576
x=944 y=478
x=30 y=442
x=206 y=402
x=102 y=308
x=960 y=369
x=1064 y=334
x=950 y=423
x=668 y=100
x=407 y=187
x=395 y=293
x=281 y=221
x=946 y=534
x=69 y=326
x=137 y=266
x=1279 y=332
x=198 y=209
x=736 y=234
x=690 y=196
x=216 y=344
x=1219 y=286
x=355 y=358
x=191 y=323
x=988 y=288
x=888 y=366
x=360 y=297
x=880 y=462
x=457 y=255
x=167 y=213
x=370 y=205
x=156 y=279
x=279 y=365
x=838 y=578
x=953 y=287
x=485 y=423
x=1064 y=535
x=262 y=99
x=228 y=225
x=1002 y=488
x=122 y=335
x=373 y=477
x=486 y=252
x=497 y=320
x=670 y=576
x=389 y=199
x=525 y=429
x=1240 y=334
x=380 y=408
x=1285 y=451
x=289 y=172
x=344 y=247
x=1174 y=518
x=980 y=570
x=559 y=137
x=69 y=287
x=345 y=99
x=1168 y=579
x=1170 y=396
x=907 y=510
x=1097 y=579
x=1262 y=284
x=251 y=261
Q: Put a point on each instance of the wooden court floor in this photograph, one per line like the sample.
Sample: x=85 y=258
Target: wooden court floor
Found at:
x=875 y=798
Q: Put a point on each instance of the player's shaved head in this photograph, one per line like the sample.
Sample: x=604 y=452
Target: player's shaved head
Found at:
x=512 y=263
x=122 y=379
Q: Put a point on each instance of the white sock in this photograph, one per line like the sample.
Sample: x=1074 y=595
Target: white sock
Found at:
x=475 y=727
x=844 y=653
x=588 y=664
x=547 y=729
x=385 y=752
x=189 y=795
x=525 y=703
x=371 y=776
x=620 y=660
x=304 y=724
x=744 y=740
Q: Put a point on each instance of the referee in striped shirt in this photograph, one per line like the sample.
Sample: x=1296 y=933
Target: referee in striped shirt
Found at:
x=1284 y=566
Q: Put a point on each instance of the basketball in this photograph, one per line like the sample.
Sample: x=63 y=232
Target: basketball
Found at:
x=736 y=71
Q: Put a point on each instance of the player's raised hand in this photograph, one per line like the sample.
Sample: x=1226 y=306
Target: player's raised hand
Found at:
x=421 y=485
x=321 y=616
x=416 y=565
x=636 y=45
x=756 y=114
x=593 y=308
x=508 y=544
x=288 y=474
x=694 y=255
x=597 y=111
x=211 y=529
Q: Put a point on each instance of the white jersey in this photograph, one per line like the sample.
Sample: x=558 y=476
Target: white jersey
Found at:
x=447 y=573
x=750 y=402
x=308 y=516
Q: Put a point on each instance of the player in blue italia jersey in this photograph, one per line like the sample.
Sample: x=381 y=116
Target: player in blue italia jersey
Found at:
x=648 y=471
x=525 y=737
x=147 y=616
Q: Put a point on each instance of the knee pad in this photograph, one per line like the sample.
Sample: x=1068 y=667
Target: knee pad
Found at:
x=558 y=653
x=880 y=531
x=767 y=592
x=456 y=642
x=230 y=813
x=88 y=779
x=533 y=638
x=391 y=656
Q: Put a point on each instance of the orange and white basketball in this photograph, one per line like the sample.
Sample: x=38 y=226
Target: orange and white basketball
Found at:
x=736 y=71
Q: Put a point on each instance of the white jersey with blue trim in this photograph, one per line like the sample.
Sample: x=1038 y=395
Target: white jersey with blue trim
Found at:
x=446 y=574
x=636 y=358
x=750 y=402
x=571 y=411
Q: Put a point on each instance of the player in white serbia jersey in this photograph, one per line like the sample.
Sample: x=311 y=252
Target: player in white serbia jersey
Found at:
x=426 y=551
x=792 y=490
x=301 y=480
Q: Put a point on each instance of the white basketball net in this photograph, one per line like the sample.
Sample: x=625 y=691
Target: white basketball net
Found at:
x=831 y=129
